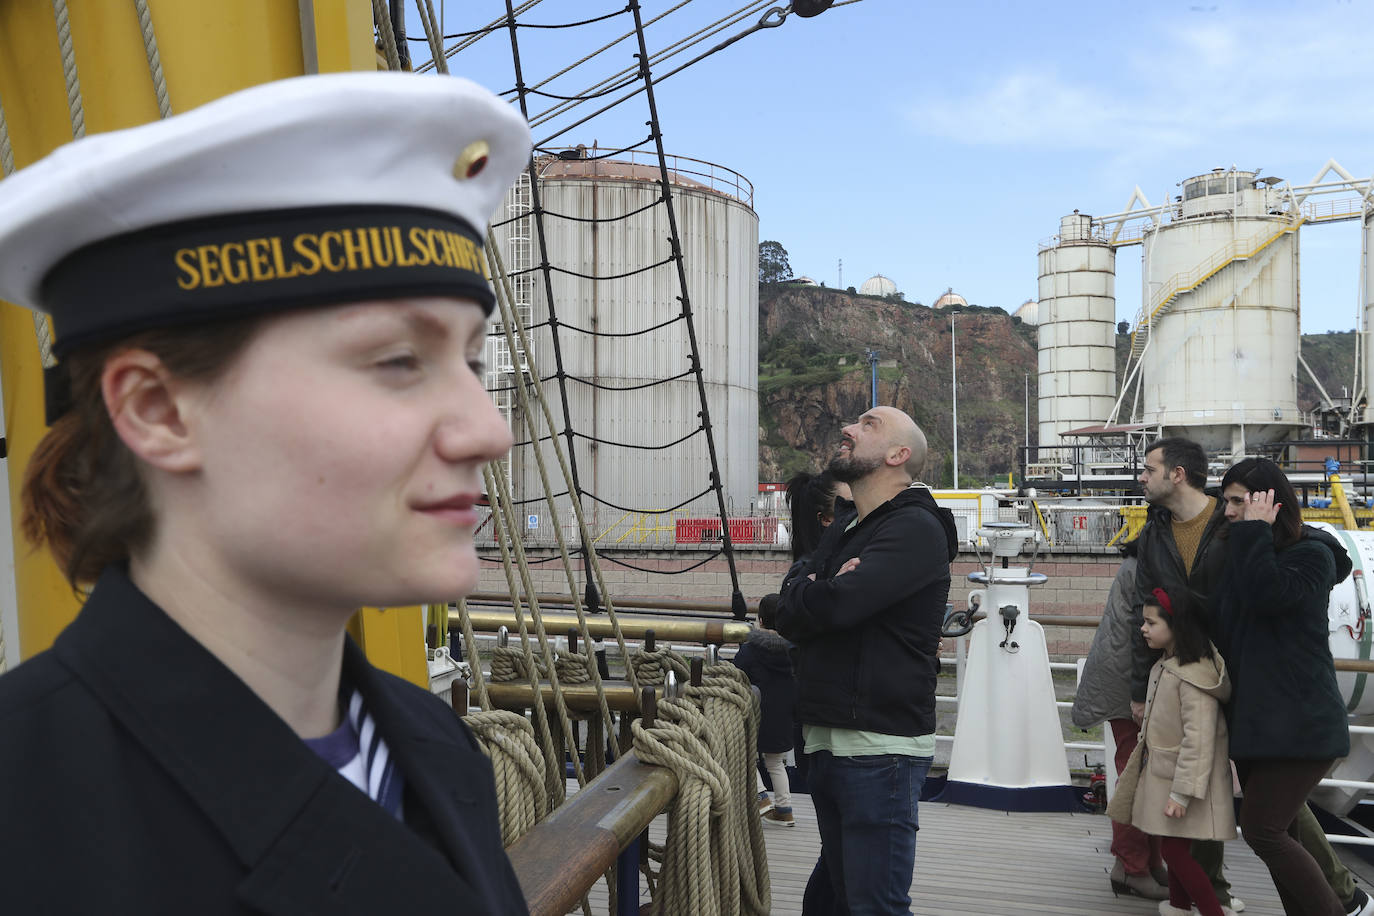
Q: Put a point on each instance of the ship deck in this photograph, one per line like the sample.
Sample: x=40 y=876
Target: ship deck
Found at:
x=977 y=862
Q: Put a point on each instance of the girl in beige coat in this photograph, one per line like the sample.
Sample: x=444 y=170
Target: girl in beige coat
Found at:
x=1177 y=784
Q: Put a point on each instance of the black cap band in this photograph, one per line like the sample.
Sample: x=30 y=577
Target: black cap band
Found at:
x=254 y=263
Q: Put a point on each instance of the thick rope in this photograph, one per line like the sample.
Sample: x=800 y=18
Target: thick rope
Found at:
x=381 y=19
x=75 y=109
x=553 y=775
x=76 y=112
x=714 y=861
x=513 y=328
x=651 y=668
x=475 y=36
x=545 y=642
x=672 y=50
x=699 y=876
x=730 y=705
x=479 y=683
x=508 y=739
x=511 y=664
x=6 y=149
x=145 y=22
x=433 y=34
x=554 y=780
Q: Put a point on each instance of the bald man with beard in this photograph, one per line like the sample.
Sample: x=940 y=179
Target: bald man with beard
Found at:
x=864 y=613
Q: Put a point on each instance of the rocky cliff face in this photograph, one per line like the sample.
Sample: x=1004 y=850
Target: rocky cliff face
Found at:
x=814 y=378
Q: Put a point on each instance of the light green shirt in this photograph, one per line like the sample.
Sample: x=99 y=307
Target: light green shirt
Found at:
x=849 y=742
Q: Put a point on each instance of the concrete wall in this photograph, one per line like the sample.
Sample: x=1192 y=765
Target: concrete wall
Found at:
x=1078 y=583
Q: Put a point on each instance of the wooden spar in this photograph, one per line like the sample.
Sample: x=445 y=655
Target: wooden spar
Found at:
x=563 y=855
x=207 y=50
x=672 y=630
x=516 y=695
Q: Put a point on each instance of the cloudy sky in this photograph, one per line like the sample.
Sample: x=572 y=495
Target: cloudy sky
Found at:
x=939 y=143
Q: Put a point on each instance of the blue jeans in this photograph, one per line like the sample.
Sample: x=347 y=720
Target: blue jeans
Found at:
x=866 y=812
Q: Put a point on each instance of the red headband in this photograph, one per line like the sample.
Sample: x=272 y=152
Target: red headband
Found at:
x=1165 y=604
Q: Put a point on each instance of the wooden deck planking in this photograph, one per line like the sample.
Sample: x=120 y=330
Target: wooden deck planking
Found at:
x=976 y=862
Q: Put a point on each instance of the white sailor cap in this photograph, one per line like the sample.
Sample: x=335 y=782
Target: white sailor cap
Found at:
x=309 y=191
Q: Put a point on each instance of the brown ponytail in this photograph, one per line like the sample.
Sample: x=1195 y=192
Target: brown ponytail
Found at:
x=84 y=495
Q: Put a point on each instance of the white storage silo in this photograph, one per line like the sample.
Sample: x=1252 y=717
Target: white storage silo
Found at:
x=1367 y=275
x=1077 y=333
x=1221 y=281
x=610 y=392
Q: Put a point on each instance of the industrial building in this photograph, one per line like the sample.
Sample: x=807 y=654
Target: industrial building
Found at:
x=1215 y=347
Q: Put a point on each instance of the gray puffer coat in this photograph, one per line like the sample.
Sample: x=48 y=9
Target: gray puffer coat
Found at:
x=1105 y=690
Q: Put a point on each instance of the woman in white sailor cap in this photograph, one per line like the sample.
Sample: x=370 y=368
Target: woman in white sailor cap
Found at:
x=269 y=316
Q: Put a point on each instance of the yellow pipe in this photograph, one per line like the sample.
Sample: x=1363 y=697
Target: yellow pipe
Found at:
x=1041 y=519
x=1338 y=495
x=207 y=50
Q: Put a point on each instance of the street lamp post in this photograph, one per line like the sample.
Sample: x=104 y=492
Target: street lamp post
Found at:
x=954 y=390
x=873 y=371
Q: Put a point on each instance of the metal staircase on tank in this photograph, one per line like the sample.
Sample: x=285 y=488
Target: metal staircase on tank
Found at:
x=1189 y=280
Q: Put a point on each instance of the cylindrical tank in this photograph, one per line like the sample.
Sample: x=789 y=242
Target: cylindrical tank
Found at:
x=603 y=221
x=1221 y=294
x=1367 y=276
x=1077 y=333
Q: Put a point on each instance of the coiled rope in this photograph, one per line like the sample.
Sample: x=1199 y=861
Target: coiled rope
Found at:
x=651 y=668
x=714 y=862
x=508 y=739
x=511 y=664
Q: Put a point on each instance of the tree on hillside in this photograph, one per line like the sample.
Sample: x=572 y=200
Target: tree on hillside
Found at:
x=773 y=266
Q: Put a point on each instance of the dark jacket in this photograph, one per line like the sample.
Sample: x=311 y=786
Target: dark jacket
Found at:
x=1161 y=566
x=764 y=657
x=868 y=641
x=1271 y=626
x=142 y=776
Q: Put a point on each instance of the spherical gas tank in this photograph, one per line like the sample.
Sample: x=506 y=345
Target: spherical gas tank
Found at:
x=1350 y=629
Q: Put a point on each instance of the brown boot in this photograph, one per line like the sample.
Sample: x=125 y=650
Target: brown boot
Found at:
x=782 y=816
x=1139 y=885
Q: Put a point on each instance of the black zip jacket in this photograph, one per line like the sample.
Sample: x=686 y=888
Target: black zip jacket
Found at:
x=143 y=777
x=1161 y=566
x=868 y=641
x=1270 y=624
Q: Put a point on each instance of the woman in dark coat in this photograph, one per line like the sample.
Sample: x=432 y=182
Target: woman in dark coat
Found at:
x=270 y=314
x=1286 y=716
x=765 y=658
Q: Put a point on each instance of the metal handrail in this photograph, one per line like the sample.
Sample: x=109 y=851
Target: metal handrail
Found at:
x=718 y=632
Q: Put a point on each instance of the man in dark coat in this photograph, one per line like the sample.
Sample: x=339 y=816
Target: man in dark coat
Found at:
x=865 y=614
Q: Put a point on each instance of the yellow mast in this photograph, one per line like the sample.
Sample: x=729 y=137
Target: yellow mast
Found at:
x=206 y=50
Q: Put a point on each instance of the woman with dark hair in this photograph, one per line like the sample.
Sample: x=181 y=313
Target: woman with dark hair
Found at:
x=270 y=313
x=811 y=499
x=1286 y=715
